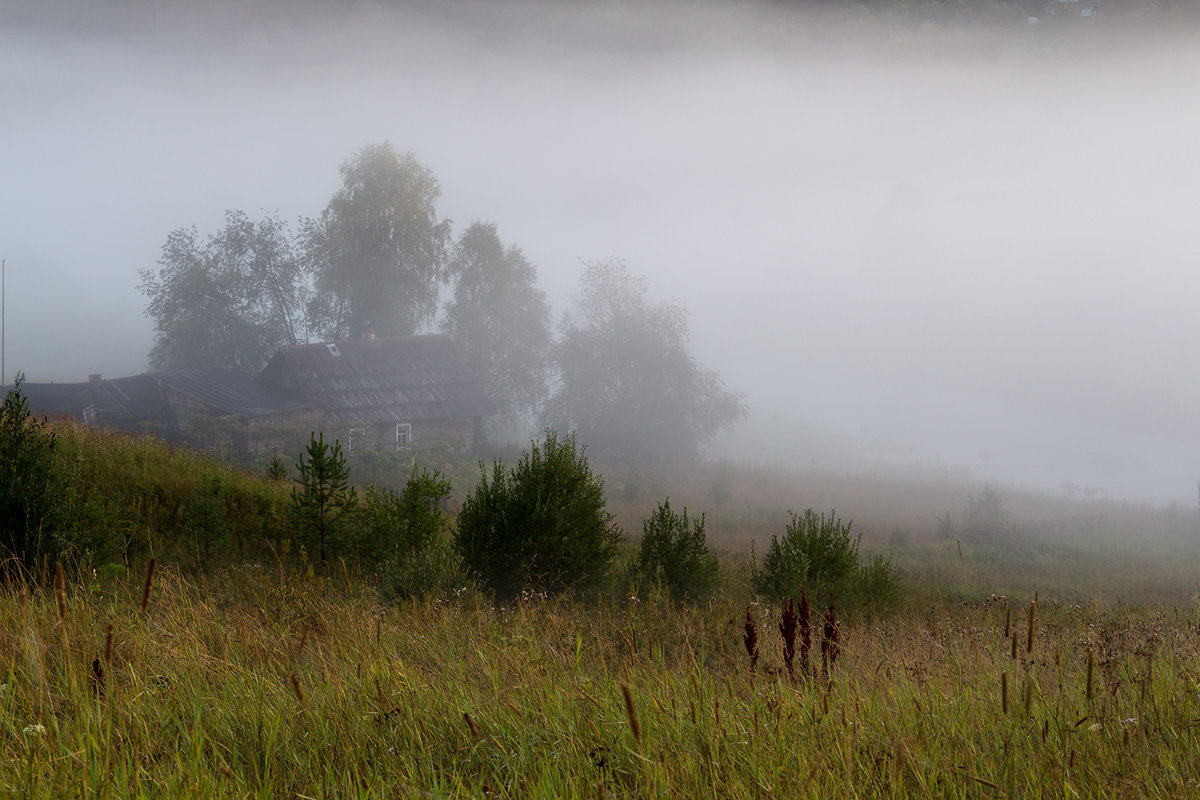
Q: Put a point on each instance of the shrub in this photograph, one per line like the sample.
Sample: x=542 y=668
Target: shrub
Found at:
x=30 y=483
x=878 y=584
x=322 y=499
x=403 y=534
x=541 y=525
x=673 y=554
x=817 y=552
x=208 y=518
x=275 y=470
x=985 y=515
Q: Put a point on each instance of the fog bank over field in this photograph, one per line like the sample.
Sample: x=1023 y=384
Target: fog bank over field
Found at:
x=972 y=252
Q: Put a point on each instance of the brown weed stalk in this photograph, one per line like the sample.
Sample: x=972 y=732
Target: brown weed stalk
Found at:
x=60 y=590
x=631 y=712
x=750 y=640
x=297 y=688
x=149 y=586
x=787 y=629
x=805 y=630
x=98 y=678
x=830 y=640
x=472 y=726
x=1032 y=624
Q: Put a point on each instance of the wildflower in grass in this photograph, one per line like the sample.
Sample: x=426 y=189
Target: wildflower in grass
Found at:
x=36 y=729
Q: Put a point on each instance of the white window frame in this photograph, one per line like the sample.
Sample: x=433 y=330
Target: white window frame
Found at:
x=404 y=435
x=355 y=433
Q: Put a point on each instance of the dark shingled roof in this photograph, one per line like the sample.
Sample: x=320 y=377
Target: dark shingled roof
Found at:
x=234 y=391
x=126 y=403
x=53 y=399
x=384 y=380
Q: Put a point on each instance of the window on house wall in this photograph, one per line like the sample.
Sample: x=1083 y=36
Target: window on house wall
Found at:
x=355 y=440
x=403 y=435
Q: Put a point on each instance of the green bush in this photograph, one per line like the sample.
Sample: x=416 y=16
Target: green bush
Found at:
x=541 y=525
x=403 y=534
x=818 y=553
x=878 y=584
x=674 y=555
x=31 y=483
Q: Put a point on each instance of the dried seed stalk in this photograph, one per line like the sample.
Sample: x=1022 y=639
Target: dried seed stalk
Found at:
x=297 y=688
x=787 y=628
x=60 y=590
x=750 y=640
x=1032 y=624
x=149 y=585
x=631 y=712
x=831 y=639
x=472 y=726
x=805 y=630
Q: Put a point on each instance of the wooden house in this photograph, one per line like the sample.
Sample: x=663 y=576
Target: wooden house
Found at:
x=227 y=406
x=392 y=393
x=377 y=394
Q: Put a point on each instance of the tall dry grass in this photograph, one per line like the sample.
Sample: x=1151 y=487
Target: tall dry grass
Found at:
x=248 y=687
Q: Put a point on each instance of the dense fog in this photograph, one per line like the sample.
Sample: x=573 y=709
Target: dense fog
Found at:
x=970 y=253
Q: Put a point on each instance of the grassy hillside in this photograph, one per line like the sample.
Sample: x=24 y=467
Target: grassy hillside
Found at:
x=129 y=498
x=243 y=672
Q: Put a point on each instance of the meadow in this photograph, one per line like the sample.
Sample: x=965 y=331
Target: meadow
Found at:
x=1058 y=663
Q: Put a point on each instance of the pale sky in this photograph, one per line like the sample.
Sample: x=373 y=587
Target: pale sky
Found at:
x=976 y=251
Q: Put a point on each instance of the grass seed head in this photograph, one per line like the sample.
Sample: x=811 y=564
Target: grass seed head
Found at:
x=299 y=691
x=1032 y=625
x=631 y=712
x=831 y=640
x=60 y=590
x=149 y=586
x=472 y=726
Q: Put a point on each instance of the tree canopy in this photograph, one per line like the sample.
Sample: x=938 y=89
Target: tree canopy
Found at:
x=233 y=298
x=377 y=252
x=623 y=376
x=627 y=381
x=501 y=320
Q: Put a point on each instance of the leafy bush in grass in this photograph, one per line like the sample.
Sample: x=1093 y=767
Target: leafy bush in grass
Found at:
x=30 y=483
x=818 y=553
x=673 y=554
x=404 y=534
x=540 y=525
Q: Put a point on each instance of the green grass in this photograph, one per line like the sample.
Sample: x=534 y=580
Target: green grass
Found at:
x=250 y=688
x=255 y=678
